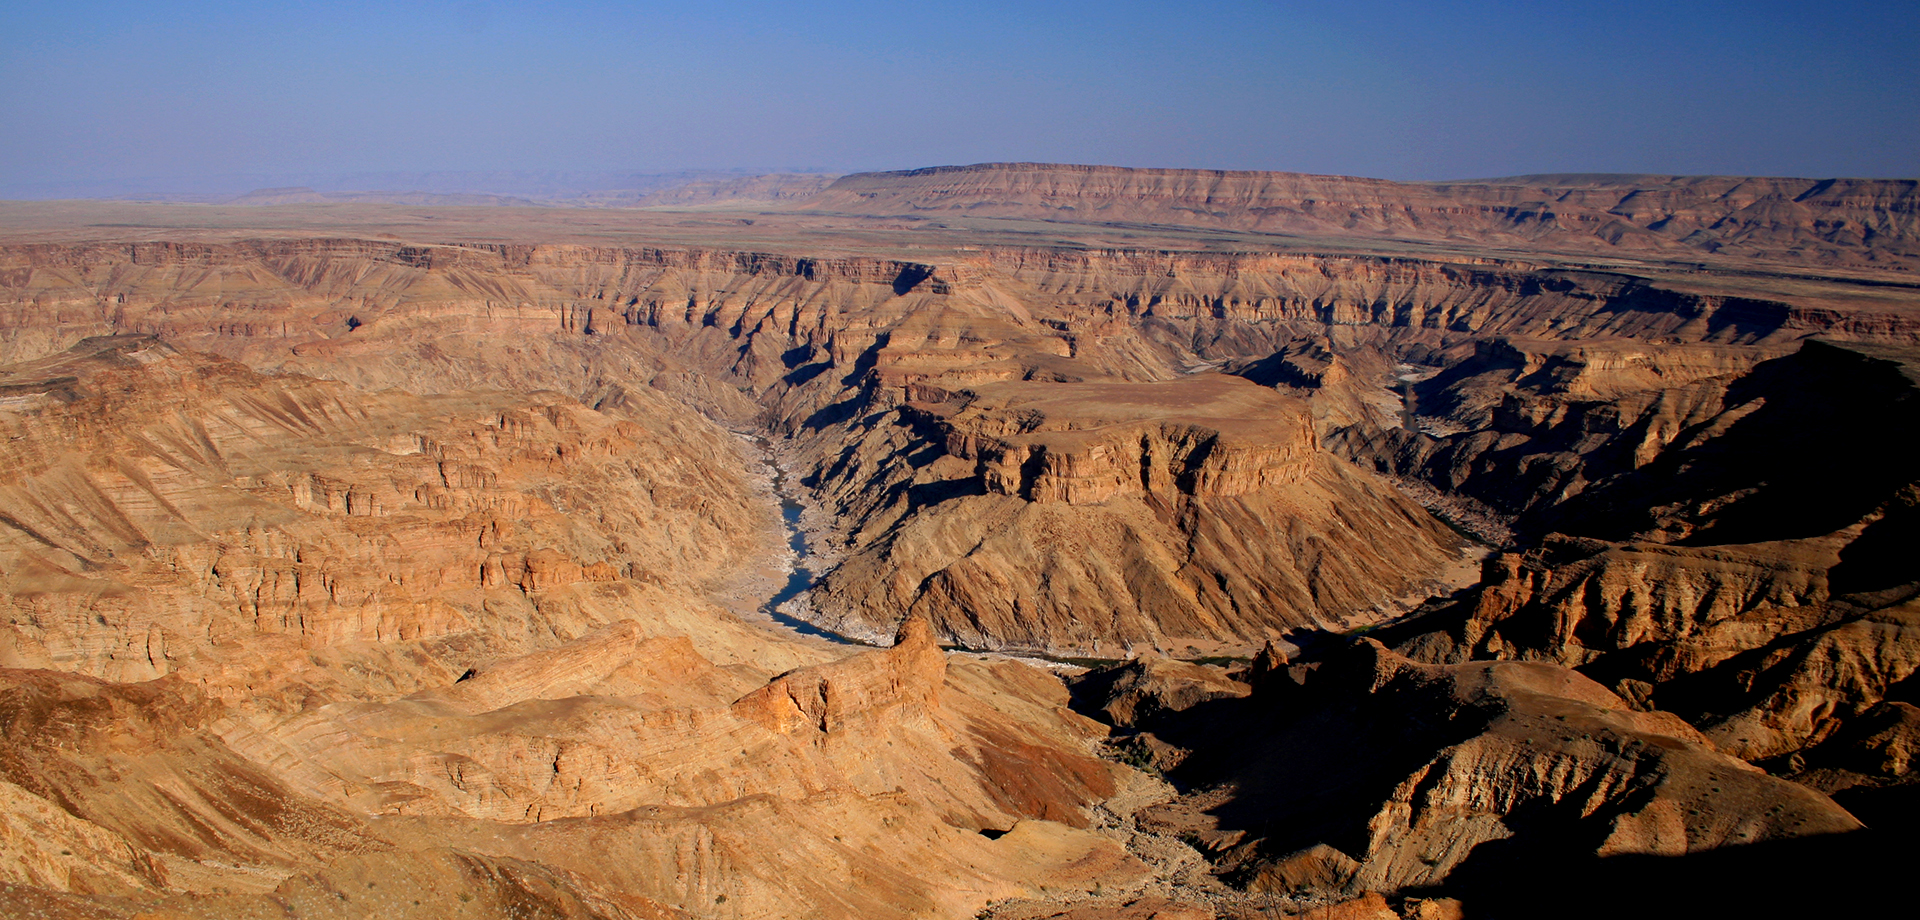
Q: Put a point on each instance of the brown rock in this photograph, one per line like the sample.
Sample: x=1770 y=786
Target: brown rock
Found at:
x=1415 y=770
x=182 y=512
x=1095 y=518
x=1147 y=908
x=1733 y=554
x=1316 y=868
x=1434 y=909
x=1149 y=690
x=1369 y=906
x=901 y=682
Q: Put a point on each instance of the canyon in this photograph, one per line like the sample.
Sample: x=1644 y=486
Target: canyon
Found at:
x=1181 y=544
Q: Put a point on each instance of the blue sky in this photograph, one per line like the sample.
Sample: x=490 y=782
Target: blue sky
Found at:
x=189 y=93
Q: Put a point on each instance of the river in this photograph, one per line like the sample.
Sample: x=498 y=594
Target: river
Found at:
x=801 y=577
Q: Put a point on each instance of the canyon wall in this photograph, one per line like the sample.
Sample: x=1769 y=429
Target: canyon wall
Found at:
x=275 y=645
x=845 y=355
x=404 y=575
x=1716 y=534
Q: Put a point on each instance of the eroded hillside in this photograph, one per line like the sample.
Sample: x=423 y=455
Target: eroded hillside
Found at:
x=416 y=577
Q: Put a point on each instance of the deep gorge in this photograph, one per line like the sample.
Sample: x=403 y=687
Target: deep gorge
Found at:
x=426 y=551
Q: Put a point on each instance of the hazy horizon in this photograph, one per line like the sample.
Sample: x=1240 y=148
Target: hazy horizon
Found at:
x=110 y=99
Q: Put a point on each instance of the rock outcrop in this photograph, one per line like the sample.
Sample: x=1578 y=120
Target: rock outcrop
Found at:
x=274 y=641
x=1622 y=440
x=904 y=682
x=835 y=352
x=168 y=512
x=1366 y=771
x=1152 y=692
x=1193 y=514
x=1202 y=436
x=134 y=794
x=640 y=792
x=1735 y=559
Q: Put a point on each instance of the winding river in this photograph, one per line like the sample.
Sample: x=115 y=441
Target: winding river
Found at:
x=801 y=577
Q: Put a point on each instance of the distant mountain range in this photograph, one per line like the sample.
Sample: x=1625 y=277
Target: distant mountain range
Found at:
x=1832 y=222
x=1826 y=221
x=499 y=188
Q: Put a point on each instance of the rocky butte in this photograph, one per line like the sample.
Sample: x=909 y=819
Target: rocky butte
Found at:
x=1221 y=545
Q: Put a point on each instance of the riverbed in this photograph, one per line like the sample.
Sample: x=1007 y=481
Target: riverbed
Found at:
x=800 y=575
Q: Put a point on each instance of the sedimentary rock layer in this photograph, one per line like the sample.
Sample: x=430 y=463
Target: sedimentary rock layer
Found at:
x=1729 y=548
x=1194 y=513
x=1833 y=221
x=166 y=509
x=838 y=351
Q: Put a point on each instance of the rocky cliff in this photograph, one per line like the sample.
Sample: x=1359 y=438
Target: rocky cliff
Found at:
x=832 y=347
x=165 y=508
x=1366 y=771
x=848 y=354
x=1194 y=514
x=1728 y=539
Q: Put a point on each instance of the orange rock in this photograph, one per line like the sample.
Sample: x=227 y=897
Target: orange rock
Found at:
x=1369 y=906
x=902 y=682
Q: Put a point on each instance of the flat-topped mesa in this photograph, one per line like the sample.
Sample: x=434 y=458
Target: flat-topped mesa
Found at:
x=1084 y=443
x=1833 y=221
